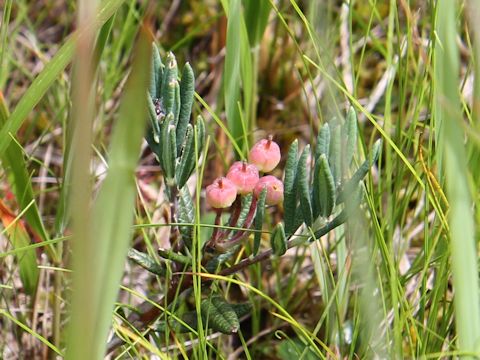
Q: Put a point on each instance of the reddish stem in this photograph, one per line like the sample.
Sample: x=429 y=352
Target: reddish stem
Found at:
x=248 y=222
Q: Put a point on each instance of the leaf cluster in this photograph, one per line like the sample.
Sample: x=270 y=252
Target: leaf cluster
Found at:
x=316 y=184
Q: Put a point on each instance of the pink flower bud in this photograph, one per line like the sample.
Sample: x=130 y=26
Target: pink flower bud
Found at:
x=244 y=176
x=274 y=189
x=265 y=154
x=221 y=193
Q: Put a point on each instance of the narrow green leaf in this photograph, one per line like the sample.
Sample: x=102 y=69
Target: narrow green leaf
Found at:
x=146 y=262
x=187 y=90
x=152 y=134
x=19 y=238
x=220 y=315
x=449 y=119
x=103 y=36
x=323 y=141
x=351 y=184
x=259 y=220
x=256 y=19
x=186 y=214
x=169 y=83
x=169 y=98
x=176 y=103
x=351 y=130
x=14 y=163
x=324 y=191
x=335 y=155
x=278 y=240
x=169 y=254
x=169 y=149
x=156 y=73
x=189 y=320
x=301 y=182
x=245 y=207
x=242 y=309
x=99 y=266
x=289 y=190
x=232 y=73
x=186 y=163
x=200 y=131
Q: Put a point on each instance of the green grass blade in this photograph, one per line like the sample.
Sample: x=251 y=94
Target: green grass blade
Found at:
x=256 y=19
x=14 y=162
x=452 y=150
x=48 y=76
x=30 y=331
x=101 y=267
x=232 y=74
x=19 y=238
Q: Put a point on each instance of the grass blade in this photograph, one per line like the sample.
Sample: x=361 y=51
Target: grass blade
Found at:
x=98 y=269
x=49 y=74
x=462 y=232
x=232 y=75
x=13 y=161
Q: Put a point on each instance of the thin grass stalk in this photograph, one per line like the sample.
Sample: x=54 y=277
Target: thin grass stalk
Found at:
x=100 y=251
x=462 y=233
x=83 y=314
x=473 y=13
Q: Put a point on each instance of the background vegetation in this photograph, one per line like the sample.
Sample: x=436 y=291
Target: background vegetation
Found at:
x=399 y=280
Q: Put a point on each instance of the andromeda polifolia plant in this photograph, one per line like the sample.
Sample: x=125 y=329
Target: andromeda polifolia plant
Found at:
x=317 y=182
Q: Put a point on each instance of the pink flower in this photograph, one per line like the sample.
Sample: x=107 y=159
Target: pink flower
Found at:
x=244 y=176
x=265 y=154
x=221 y=193
x=274 y=189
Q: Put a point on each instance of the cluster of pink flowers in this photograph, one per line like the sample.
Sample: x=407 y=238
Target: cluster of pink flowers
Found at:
x=243 y=177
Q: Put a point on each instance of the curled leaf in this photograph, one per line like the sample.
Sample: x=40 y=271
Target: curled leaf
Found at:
x=289 y=189
x=278 y=240
x=324 y=187
x=351 y=136
x=146 y=261
x=259 y=220
x=301 y=180
x=335 y=155
x=187 y=90
x=220 y=315
x=323 y=141
x=186 y=215
x=186 y=162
